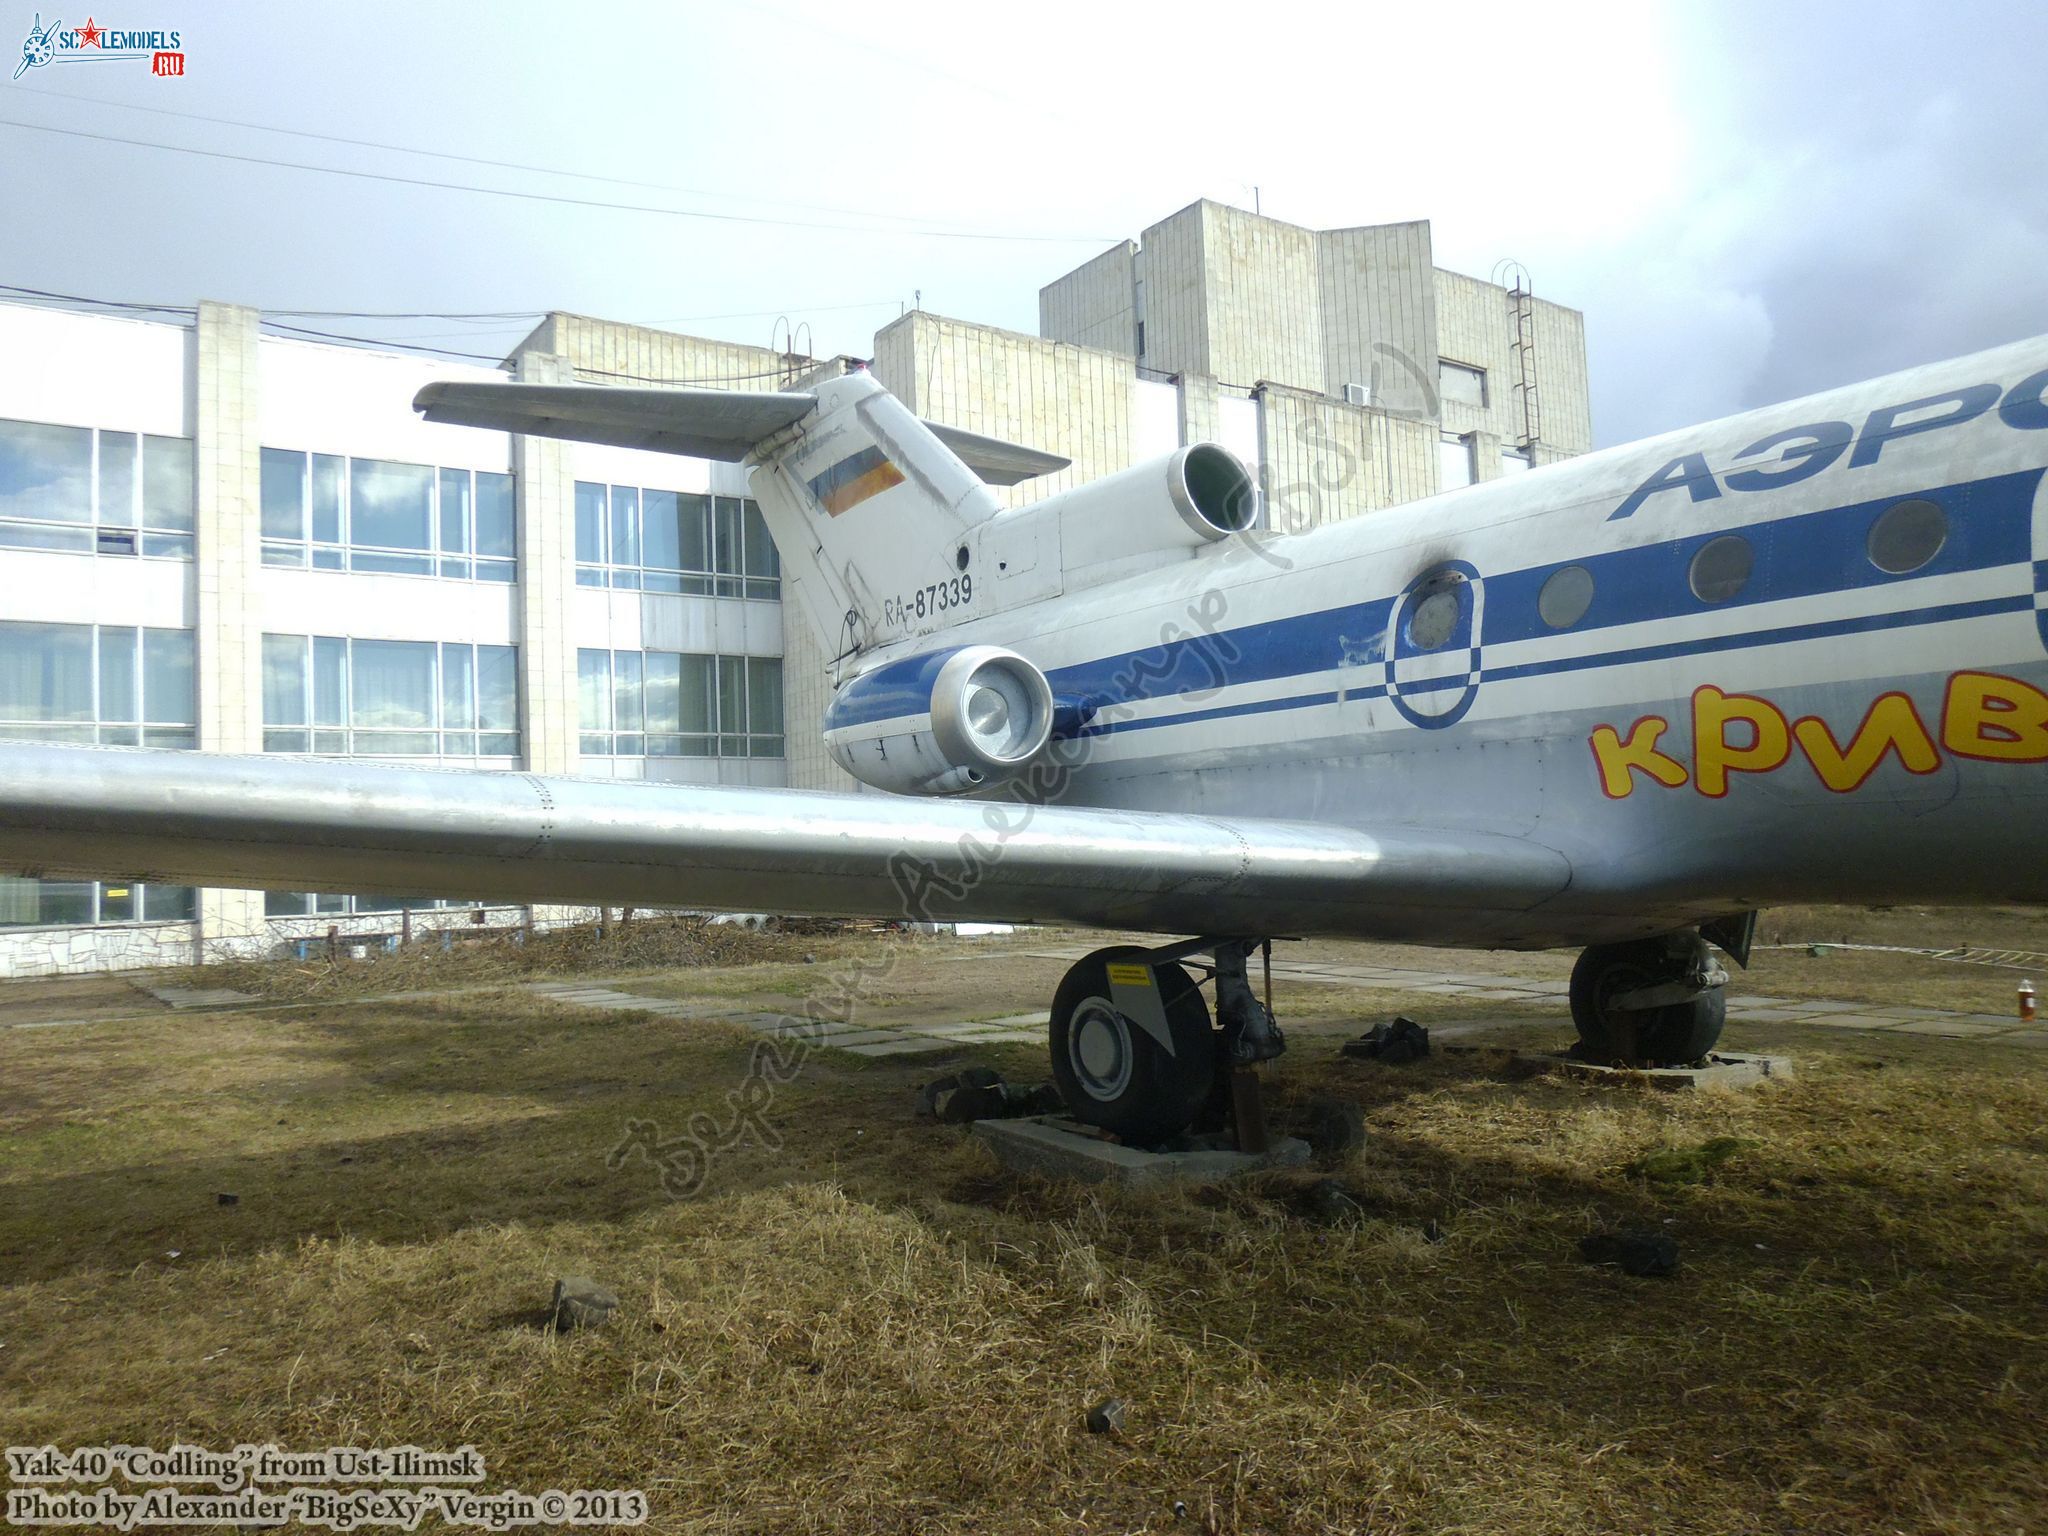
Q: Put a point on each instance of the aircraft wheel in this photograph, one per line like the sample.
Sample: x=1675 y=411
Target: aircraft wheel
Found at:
x=1680 y=1032
x=1111 y=1071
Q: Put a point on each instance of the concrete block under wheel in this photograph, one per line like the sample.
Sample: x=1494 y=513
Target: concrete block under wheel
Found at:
x=1056 y=1147
x=1723 y=1069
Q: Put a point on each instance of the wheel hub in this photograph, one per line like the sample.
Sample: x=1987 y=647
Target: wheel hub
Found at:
x=1099 y=1050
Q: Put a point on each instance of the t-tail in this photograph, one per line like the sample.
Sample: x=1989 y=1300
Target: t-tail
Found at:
x=874 y=512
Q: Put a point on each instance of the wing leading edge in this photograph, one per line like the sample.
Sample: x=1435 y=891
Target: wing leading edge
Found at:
x=295 y=824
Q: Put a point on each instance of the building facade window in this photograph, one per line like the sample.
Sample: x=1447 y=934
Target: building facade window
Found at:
x=118 y=685
x=389 y=698
x=662 y=704
x=1461 y=383
x=73 y=903
x=341 y=514
x=83 y=491
x=322 y=904
x=674 y=541
x=1454 y=461
x=1514 y=460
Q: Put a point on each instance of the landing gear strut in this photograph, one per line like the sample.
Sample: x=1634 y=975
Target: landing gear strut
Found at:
x=1133 y=1049
x=1651 y=1001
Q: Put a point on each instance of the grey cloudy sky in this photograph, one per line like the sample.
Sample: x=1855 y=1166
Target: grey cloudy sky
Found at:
x=1748 y=201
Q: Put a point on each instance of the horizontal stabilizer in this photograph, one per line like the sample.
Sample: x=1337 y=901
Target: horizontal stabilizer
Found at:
x=297 y=824
x=997 y=462
x=700 y=423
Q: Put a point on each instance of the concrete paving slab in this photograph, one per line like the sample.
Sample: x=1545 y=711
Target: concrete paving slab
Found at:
x=860 y=1038
x=907 y=1046
x=200 y=997
x=1953 y=1028
x=1055 y=1147
x=1723 y=1069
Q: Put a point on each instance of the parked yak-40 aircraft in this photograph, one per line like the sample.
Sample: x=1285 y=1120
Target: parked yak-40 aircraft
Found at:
x=1621 y=702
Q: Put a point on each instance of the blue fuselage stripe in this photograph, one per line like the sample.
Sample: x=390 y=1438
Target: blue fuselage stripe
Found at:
x=1806 y=556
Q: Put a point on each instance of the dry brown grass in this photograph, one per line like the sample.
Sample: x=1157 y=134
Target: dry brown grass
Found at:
x=871 y=1328
x=648 y=943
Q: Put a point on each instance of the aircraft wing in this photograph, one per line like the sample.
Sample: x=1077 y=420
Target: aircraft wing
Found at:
x=702 y=423
x=298 y=824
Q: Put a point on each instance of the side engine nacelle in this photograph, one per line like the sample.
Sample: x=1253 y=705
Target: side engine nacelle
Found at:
x=943 y=724
x=1179 y=504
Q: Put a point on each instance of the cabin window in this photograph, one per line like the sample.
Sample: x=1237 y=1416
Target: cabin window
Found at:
x=1565 y=597
x=1721 y=569
x=1435 y=616
x=1907 y=535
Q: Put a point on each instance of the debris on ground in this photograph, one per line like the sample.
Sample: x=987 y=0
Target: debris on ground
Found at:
x=1332 y=1127
x=222 y=1197
x=581 y=1303
x=1330 y=1203
x=1637 y=1251
x=1687 y=1165
x=1401 y=1041
x=1107 y=1417
x=979 y=1093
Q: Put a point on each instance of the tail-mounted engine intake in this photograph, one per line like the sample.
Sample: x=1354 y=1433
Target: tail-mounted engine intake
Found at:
x=1176 y=505
x=943 y=724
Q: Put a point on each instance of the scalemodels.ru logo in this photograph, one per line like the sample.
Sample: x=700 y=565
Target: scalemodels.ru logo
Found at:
x=92 y=43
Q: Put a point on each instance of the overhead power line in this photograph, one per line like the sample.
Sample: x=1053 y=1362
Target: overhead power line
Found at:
x=442 y=154
x=550 y=197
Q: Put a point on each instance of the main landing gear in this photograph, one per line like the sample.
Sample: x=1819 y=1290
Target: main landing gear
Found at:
x=1651 y=1001
x=1135 y=1053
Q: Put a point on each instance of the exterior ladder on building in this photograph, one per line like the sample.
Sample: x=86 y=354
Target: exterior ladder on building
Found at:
x=1522 y=310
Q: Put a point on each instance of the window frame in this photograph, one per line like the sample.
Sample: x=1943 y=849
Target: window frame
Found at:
x=138 y=728
x=751 y=571
x=438 y=559
x=329 y=727
x=140 y=529
x=606 y=727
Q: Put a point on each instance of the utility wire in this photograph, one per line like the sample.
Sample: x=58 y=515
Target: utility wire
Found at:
x=76 y=298
x=549 y=197
x=438 y=154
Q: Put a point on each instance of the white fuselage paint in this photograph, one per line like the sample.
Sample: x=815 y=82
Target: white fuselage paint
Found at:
x=1308 y=700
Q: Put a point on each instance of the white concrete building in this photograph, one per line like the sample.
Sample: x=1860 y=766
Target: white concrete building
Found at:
x=219 y=539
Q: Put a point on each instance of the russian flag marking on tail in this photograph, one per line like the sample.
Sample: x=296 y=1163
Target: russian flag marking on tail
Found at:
x=853 y=480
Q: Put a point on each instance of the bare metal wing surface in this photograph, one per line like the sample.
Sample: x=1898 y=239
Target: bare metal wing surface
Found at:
x=995 y=461
x=702 y=423
x=295 y=824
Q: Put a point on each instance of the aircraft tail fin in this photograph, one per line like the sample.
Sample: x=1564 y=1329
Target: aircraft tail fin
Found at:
x=869 y=506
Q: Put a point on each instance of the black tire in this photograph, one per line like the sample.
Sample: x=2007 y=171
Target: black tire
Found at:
x=1669 y=1036
x=1113 y=1074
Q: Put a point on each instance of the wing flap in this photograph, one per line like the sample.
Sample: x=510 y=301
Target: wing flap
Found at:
x=296 y=824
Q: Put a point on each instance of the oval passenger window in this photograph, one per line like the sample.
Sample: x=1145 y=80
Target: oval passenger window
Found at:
x=1434 y=620
x=1565 y=597
x=1721 y=568
x=1907 y=535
